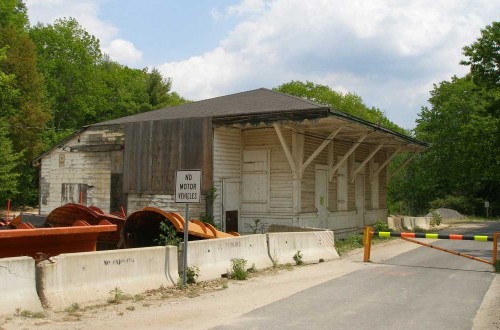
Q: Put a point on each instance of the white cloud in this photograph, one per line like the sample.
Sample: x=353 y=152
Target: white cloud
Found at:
x=86 y=12
x=246 y=7
x=389 y=52
x=123 y=51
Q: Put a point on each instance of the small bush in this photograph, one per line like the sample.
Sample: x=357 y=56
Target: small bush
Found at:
x=497 y=267
x=167 y=234
x=462 y=204
x=117 y=296
x=297 y=257
x=238 y=269
x=192 y=274
x=381 y=225
x=436 y=218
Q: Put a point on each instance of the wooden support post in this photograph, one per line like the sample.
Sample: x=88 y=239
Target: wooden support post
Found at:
x=367 y=242
x=347 y=154
x=406 y=162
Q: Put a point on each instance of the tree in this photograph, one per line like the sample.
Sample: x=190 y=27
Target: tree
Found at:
x=68 y=57
x=349 y=103
x=484 y=56
x=9 y=166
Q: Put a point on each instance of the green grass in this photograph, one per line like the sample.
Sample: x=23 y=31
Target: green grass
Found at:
x=355 y=241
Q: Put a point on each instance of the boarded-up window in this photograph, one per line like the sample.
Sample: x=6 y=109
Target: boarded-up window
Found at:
x=74 y=193
x=154 y=150
x=255 y=180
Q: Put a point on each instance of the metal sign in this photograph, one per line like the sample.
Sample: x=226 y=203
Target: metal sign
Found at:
x=187 y=186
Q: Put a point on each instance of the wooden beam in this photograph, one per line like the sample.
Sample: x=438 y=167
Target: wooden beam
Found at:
x=319 y=149
x=386 y=162
x=406 y=162
x=367 y=159
x=286 y=149
x=348 y=153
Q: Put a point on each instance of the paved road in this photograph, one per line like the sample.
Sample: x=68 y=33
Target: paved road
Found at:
x=420 y=289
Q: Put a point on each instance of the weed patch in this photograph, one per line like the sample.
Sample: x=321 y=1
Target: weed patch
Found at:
x=297 y=257
x=238 y=269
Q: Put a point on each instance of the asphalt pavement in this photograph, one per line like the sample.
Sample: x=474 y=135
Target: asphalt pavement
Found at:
x=419 y=289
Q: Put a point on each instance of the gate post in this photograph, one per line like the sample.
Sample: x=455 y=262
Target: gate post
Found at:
x=367 y=242
x=495 y=252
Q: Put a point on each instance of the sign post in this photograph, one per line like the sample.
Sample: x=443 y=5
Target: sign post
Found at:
x=487 y=206
x=187 y=190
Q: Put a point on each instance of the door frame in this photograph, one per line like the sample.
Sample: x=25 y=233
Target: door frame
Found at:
x=224 y=181
x=322 y=211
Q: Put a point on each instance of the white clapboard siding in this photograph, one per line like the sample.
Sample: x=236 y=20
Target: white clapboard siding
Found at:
x=308 y=178
x=60 y=166
x=280 y=199
x=226 y=163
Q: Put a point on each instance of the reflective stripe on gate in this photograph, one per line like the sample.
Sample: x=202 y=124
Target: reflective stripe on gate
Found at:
x=481 y=238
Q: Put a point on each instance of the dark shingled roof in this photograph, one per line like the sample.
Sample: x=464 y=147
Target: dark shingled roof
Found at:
x=254 y=102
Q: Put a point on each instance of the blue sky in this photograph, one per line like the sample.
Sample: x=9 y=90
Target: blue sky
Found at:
x=390 y=52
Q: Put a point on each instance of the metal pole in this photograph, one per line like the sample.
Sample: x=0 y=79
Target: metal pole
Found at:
x=449 y=251
x=495 y=249
x=185 y=247
x=367 y=242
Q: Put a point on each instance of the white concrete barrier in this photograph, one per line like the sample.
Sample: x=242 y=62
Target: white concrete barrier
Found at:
x=90 y=276
x=314 y=246
x=410 y=223
x=18 y=285
x=213 y=256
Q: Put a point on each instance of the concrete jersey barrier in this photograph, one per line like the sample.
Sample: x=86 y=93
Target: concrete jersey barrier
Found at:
x=18 y=285
x=314 y=246
x=90 y=276
x=213 y=257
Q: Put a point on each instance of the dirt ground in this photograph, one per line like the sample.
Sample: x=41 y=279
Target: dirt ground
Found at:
x=211 y=303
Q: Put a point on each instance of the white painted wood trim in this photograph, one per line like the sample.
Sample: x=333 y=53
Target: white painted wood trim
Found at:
x=348 y=153
x=319 y=149
x=387 y=161
x=287 y=151
x=367 y=159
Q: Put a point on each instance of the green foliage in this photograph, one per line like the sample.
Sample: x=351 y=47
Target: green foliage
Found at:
x=209 y=219
x=258 y=226
x=238 y=269
x=484 y=56
x=72 y=308
x=462 y=204
x=349 y=103
x=348 y=243
x=436 y=218
x=117 y=296
x=497 y=267
x=167 y=234
x=297 y=257
x=381 y=225
x=29 y=314
x=9 y=167
x=192 y=274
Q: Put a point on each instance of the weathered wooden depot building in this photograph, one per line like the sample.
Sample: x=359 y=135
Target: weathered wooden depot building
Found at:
x=264 y=155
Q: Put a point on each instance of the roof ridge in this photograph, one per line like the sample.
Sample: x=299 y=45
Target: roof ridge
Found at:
x=299 y=98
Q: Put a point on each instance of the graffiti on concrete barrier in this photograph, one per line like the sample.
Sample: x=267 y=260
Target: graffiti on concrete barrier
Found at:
x=119 y=261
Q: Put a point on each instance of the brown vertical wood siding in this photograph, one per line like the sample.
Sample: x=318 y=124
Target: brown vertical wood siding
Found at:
x=154 y=150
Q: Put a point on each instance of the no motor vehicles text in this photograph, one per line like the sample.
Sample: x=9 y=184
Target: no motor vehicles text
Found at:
x=187 y=186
